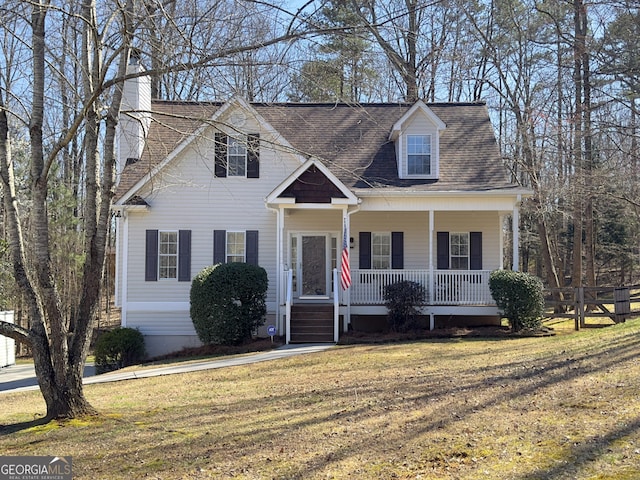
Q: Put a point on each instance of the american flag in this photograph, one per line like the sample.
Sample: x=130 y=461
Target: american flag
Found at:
x=345 y=270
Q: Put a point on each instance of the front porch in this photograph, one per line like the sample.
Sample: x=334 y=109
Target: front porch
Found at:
x=448 y=242
x=448 y=293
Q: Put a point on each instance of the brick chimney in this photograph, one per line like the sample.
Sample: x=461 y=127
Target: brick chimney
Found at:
x=135 y=115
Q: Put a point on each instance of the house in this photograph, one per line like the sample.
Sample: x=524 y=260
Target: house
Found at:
x=415 y=191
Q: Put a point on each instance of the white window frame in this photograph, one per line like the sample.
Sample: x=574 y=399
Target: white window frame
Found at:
x=237 y=156
x=231 y=240
x=380 y=258
x=429 y=138
x=458 y=256
x=168 y=271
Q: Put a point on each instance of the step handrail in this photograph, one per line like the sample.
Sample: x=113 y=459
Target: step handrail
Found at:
x=288 y=302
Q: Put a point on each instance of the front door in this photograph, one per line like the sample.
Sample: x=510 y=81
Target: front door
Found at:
x=312 y=258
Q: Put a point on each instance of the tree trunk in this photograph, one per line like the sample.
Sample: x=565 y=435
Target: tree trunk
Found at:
x=64 y=397
x=590 y=240
x=410 y=76
x=548 y=259
x=578 y=186
x=60 y=380
x=60 y=346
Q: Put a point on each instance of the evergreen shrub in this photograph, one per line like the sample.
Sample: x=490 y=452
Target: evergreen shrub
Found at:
x=520 y=297
x=118 y=348
x=228 y=302
x=403 y=300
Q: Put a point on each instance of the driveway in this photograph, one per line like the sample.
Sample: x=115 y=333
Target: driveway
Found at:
x=22 y=377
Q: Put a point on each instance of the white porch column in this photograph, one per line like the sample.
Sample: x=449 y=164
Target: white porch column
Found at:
x=431 y=270
x=346 y=295
x=279 y=267
x=124 y=269
x=515 y=228
x=501 y=250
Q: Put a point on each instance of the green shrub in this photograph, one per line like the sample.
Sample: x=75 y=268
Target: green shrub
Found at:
x=402 y=299
x=118 y=348
x=228 y=302
x=519 y=296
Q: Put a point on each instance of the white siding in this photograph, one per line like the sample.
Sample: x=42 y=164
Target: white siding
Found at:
x=185 y=195
x=486 y=222
x=452 y=202
x=7 y=345
x=313 y=221
x=415 y=226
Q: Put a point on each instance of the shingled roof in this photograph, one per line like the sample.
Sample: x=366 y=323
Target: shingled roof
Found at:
x=351 y=140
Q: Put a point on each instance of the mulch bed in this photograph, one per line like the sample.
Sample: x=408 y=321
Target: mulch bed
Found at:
x=351 y=338
x=255 y=345
x=354 y=338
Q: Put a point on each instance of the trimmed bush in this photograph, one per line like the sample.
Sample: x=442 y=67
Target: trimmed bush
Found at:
x=519 y=295
x=228 y=302
x=402 y=299
x=118 y=348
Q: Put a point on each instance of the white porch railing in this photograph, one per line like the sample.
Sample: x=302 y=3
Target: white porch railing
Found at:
x=450 y=287
x=367 y=286
x=462 y=287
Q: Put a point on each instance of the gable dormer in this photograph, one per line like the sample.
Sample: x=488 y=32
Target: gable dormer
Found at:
x=417 y=142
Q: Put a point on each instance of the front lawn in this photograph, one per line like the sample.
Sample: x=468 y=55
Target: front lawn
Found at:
x=559 y=407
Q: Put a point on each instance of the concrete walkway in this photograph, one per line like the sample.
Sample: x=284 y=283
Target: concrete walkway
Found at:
x=18 y=378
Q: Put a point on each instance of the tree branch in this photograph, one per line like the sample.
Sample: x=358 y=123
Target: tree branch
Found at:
x=16 y=332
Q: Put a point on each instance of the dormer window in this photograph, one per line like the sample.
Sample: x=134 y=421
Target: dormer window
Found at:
x=417 y=141
x=419 y=155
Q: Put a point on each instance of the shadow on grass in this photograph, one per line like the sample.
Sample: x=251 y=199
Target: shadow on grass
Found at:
x=432 y=403
x=18 y=427
x=523 y=381
x=585 y=452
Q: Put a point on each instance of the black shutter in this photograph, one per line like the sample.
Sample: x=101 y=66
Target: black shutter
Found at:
x=251 y=241
x=365 y=250
x=151 y=256
x=253 y=155
x=219 y=246
x=221 y=155
x=475 y=250
x=397 y=250
x=443 y=250
x=184 y=255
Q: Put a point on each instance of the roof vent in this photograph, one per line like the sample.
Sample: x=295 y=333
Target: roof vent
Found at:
x=131 y=161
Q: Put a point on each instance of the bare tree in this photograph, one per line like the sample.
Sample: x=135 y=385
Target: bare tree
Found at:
x=60 y=343
x=60 y=337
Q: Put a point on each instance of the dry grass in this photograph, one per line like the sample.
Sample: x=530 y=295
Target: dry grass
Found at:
x=563 y=407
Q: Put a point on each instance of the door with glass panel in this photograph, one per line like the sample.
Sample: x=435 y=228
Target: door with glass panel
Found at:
x=312 y=256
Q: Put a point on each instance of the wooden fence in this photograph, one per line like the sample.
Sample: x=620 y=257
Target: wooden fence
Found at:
x=617 y=303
